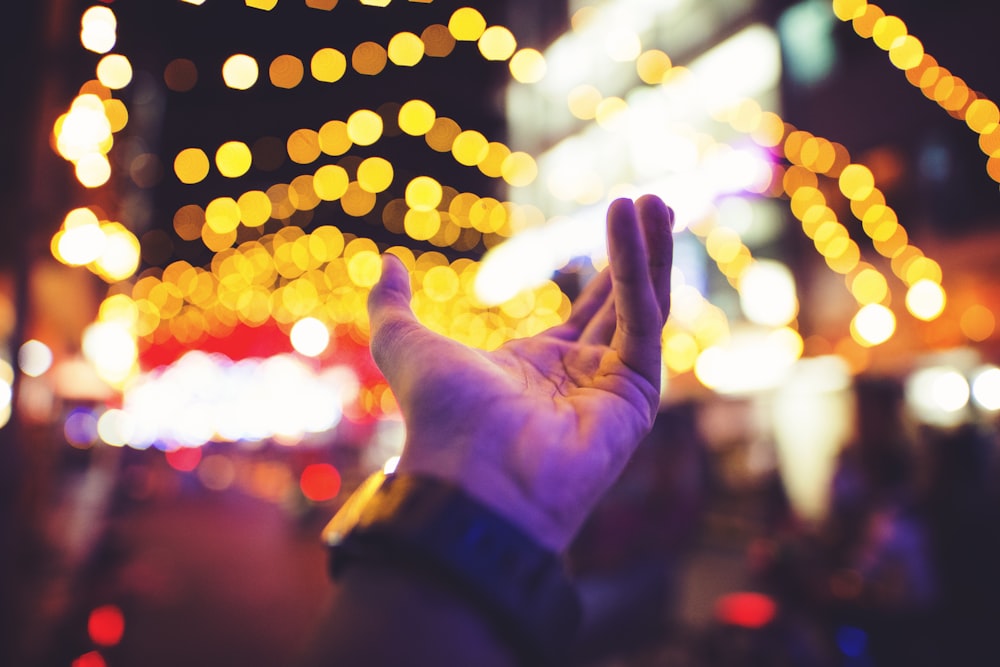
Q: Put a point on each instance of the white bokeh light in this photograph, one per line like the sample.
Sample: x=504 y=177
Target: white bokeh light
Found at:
x=310 y=337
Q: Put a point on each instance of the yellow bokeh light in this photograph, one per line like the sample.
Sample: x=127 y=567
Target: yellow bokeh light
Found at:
x=286 y=71
x=416 y=117
x=266 y=5
x=118 y=308
x=98 y=27
x=302 y=194
x=989 y=139
x=255 y=208
x=375 y=174
x=982 y=115
x=117 y=114
x=869 y=286
x=114 y=71
x=188 y=221
x=847 y=258
x=864 y=23
x=222 y=215
x=233 y=159
x=978 y=323
x=583 y=101
x=364 y=127
x=492 y=164
x=519 y=169
x=281 y=208
x=609 y=110
x=423 y=193
x=303 y=146
x=873 y=325
x=906 y=52
x=120 y=257
x=330 y=182
x=326 y=243
x=497 y=43
x=357 y=202
x=85 y=129
x=528 y=66
x=334 y=139
x=680 y=351
x=922 y=268
x=240 y=72
x=470 y=147
x=405 y=49
x=369 y=58
x=93 y=170
x=723 y=244
x=925 y=300
x=441 y=137
x=364 y=268
x=856 y=181
x=328 y=65
x=422 y=225
x=993 y=167
x=81 y=239
x=652 y=66
x=466 y=24
x=441 y=283
x=887 y=30
x=438 y=41
x=847 y=10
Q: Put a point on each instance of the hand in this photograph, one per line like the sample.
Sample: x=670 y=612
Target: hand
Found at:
x=539 y=428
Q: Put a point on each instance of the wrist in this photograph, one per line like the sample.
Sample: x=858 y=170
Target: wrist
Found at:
x=435 y=530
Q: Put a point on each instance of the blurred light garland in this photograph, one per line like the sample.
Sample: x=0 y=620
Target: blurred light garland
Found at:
x=325 y=274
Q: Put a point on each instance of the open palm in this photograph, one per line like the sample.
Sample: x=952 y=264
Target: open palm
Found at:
x=539 y=428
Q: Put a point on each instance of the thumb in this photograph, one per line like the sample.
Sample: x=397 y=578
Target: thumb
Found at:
x=390 y=314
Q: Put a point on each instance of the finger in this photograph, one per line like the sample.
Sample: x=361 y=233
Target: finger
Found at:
x=585 y=307
x=639 y=321
x=390 y=315
x=660 y=246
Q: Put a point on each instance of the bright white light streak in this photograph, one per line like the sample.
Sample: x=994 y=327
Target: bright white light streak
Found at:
x=749 y=362
x=204 y=397
x=531 y=257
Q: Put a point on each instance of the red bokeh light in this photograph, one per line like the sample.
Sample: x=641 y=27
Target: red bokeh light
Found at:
x=745 y=610
x=90 y=659
x=319 y=482
x=106 y=626
x=184 y=459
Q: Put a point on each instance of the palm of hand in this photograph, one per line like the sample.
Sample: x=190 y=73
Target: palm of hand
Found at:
x=543 y=423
